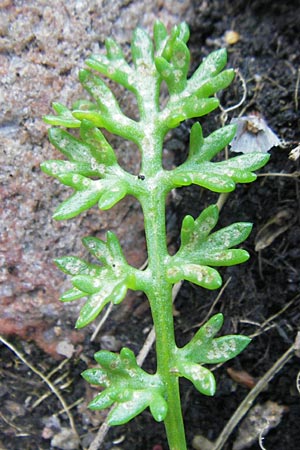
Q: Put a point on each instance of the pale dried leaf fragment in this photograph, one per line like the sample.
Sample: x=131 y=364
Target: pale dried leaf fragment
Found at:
x=274 y=227
x=297 y=345
x=253 y=135
x=258 y=422
x=295 y=153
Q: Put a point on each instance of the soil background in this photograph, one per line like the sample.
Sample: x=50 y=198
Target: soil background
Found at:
x=254 y=301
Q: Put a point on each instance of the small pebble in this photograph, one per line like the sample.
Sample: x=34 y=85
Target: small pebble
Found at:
x=232 y=37
x=65 y=348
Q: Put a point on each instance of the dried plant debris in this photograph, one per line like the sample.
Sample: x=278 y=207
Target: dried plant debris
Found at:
x=253 y=135
x=258 y=422
x=297 y=345
x=65 y=439
x=274 y=227
x=295 y=153
x=241 y=377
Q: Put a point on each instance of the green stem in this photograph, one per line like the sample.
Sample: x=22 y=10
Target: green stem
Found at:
x=160 y=298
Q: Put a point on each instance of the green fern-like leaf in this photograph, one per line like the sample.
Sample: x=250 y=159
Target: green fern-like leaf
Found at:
x=200 y=249
x=204 y=348
x=127 y=386
x=101 y=284
x=215 y=176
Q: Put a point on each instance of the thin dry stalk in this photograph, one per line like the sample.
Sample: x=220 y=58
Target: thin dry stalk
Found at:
x=250 y=398
x=45 y=379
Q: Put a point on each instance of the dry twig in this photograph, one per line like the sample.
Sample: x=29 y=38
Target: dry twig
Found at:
x=45 y=379
x=250 y=398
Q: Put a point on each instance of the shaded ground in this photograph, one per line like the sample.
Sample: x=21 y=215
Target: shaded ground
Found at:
x=267 y=55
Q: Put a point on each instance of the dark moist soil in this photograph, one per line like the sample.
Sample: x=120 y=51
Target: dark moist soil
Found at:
x=267 y=55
